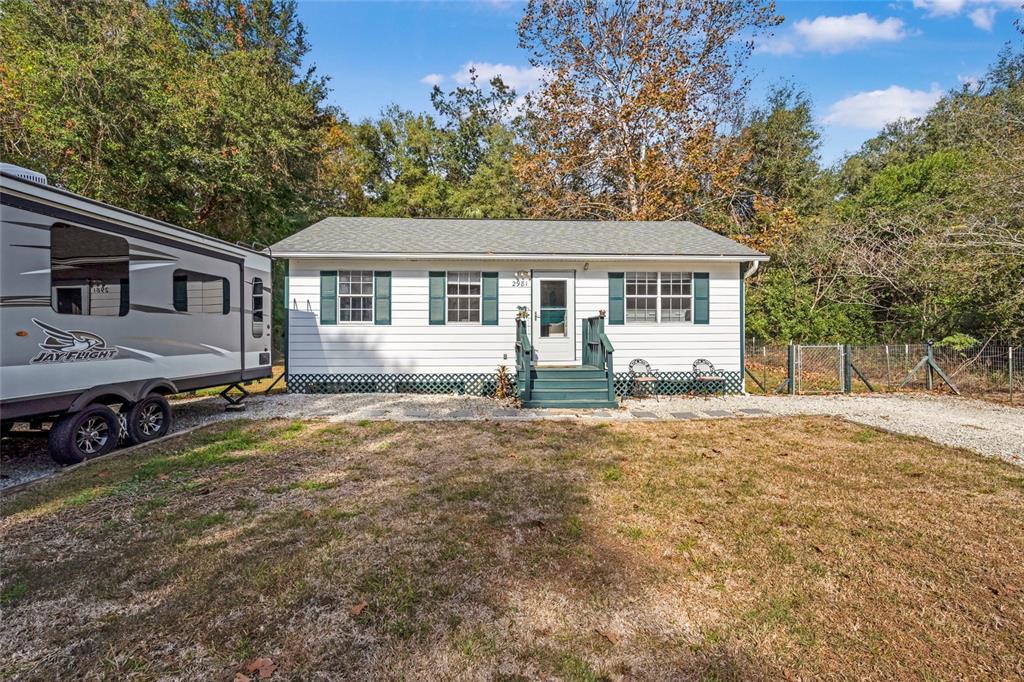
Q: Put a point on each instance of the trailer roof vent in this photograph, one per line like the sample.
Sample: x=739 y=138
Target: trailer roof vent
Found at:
x=23 y=173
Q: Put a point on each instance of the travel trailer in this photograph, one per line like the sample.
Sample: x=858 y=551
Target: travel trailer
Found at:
x=104 y=313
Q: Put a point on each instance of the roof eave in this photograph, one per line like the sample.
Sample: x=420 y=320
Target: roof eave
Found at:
x=727 y=258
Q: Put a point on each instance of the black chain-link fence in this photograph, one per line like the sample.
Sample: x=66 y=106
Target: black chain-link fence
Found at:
x=992 y=370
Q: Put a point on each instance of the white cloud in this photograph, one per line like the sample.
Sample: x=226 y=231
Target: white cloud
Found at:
x=432 y=79
x=938 y=8
x=519 y=78
x=983 y=15
x=872 y=110
x=835 y=34
x=983 y=18
x=776 y=45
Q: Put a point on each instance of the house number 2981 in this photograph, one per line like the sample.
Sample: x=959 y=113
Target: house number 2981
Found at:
x=522 y=279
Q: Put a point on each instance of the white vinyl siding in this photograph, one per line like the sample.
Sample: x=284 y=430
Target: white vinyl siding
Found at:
x=410 y=344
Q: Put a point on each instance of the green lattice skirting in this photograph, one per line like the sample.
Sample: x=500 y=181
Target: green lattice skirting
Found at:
x=471 y=384
x=682 y=383
x=669 y=383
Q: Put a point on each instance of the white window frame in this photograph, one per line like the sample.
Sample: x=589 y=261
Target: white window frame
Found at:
x=686 y=278
x=479 y=296
x=372 y=296
x=657 y=297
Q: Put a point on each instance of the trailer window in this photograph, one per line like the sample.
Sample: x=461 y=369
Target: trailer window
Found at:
x=257 y=307
x=197 y=292
x=88 y=272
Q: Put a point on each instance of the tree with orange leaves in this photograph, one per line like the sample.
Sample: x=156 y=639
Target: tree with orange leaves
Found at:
x=637 y=101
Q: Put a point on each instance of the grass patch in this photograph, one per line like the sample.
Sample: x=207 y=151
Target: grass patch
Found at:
x=14 y=592
x=524 y=552
x=312 y=485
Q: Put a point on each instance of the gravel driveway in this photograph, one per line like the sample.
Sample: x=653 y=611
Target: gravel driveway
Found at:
x=983 y=427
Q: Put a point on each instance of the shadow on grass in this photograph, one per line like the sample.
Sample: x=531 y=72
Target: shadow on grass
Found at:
x=475 y=550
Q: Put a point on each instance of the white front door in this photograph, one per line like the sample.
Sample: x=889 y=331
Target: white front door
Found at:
x=554 y=317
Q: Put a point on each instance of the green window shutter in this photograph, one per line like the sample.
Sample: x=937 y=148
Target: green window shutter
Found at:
x=382 y=298
x=700 y=298
x=328 y=297
x=616 y=298
x=490 y=299
x=437 y=297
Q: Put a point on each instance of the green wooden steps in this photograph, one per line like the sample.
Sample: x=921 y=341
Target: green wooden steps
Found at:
x=571 y=387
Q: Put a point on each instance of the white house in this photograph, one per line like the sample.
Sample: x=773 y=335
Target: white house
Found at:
x=431 y=305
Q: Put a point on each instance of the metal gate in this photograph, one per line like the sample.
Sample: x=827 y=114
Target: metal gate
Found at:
x=819 y=369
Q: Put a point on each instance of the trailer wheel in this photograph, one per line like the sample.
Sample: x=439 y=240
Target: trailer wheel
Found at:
x=83 y=435
x=149 y=418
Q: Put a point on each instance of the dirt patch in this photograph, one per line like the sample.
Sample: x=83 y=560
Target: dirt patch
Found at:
x=733 y=549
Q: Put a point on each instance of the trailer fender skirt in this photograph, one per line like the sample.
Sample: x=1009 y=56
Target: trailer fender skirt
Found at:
x=130 y=391
x=164 y=386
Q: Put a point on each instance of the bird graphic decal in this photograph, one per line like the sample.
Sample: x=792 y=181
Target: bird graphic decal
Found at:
x=69 y=341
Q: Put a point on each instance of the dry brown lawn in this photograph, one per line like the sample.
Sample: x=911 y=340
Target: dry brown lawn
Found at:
x=733 y=549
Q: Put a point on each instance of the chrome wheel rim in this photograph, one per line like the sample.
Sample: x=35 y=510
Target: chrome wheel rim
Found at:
x=92 y=435
x=151 y=419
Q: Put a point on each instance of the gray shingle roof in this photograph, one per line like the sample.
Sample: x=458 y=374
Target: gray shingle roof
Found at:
x=508 y=237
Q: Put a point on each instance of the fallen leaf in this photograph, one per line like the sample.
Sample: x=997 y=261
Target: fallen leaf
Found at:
x=102 y=474
x=307 y=514
x=162 y=477
x=358 y=608
x=263 y=667
x=241 y=677
x=610 y=636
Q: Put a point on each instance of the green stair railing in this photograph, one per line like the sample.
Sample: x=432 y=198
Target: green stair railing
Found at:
x=598 y=350
x=524 y=360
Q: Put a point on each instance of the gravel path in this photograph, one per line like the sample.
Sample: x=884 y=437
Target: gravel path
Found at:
x=983 y=427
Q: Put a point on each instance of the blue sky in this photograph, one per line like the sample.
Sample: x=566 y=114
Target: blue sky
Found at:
x=861 y=62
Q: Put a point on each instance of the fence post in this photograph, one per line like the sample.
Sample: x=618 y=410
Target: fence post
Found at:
x=931 y=362
x=847 y=368
x=791 y=368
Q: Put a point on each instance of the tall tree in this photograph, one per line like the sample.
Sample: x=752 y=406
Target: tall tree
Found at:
x=193 y=112
x=631 y=117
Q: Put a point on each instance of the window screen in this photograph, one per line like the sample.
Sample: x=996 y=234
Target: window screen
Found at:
x=88 y=272
x=641 y=297
x=355 y=296
x=676 y=297
x=463 y=296
x=198 y=292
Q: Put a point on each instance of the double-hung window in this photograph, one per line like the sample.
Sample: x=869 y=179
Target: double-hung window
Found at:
x=659 y=297
x=355 y=296
x=641 y=297
x=463 y=289
x=676 y=297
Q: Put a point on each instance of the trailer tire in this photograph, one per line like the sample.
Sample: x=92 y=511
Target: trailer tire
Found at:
x=148 y=419
x=83 y=435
